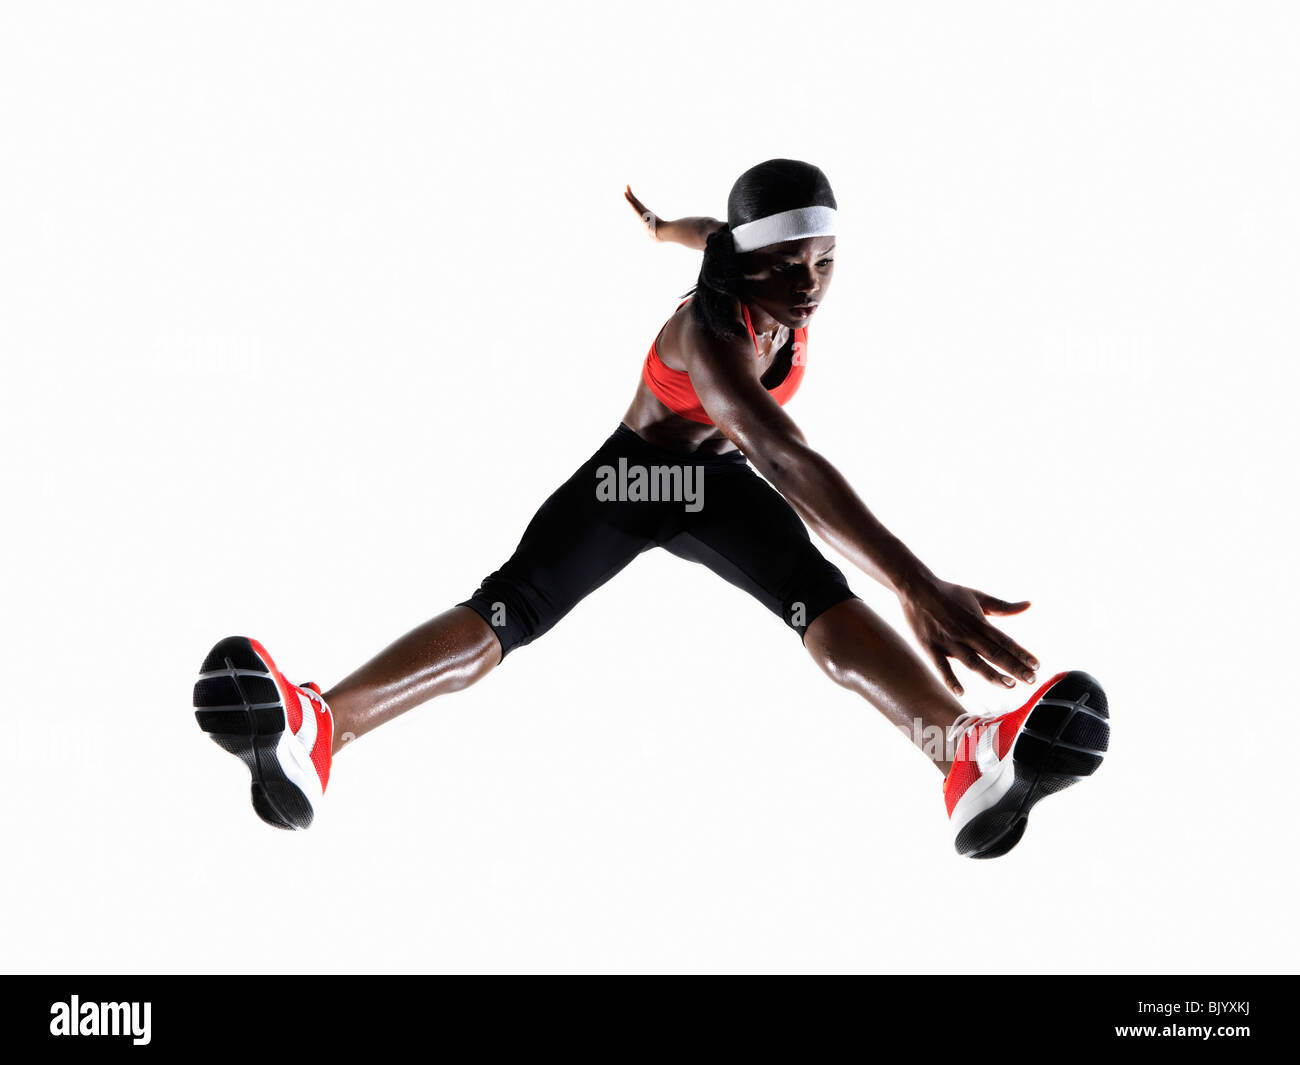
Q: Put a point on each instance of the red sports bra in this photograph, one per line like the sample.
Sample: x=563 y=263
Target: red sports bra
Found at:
x=674 y=390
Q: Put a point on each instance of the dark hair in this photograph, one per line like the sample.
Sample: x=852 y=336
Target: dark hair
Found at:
x=769 y=188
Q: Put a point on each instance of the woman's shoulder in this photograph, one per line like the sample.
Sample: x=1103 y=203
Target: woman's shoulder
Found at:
x=691 y=336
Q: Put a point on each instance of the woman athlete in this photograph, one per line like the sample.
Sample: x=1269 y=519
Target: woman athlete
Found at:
x=679 y=473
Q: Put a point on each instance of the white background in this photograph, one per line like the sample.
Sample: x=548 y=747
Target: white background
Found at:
x=306 y=307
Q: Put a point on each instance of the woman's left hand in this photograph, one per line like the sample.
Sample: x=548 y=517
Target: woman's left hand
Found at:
x=652 y=221
x=949 y=621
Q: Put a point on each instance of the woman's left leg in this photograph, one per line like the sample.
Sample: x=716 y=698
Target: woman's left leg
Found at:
x=748 y=533
x=858 y=650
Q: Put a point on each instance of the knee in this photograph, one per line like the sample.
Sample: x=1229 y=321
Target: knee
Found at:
x=473 y=650
x=840 y=644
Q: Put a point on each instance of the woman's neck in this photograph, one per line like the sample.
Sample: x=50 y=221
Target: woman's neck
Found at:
x=765 y=326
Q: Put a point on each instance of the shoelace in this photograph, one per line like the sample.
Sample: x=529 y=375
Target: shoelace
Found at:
x=966 y=720
x=310 y=691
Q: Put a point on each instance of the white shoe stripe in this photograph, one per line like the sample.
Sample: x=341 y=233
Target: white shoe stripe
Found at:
x=986 y=750
x=307 y=731
x=984 y=794
x=297 y=766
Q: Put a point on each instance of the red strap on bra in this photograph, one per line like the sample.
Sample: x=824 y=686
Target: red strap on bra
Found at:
x=674 y=390
x=750 y=326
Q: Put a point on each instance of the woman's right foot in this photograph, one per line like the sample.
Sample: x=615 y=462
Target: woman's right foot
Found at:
x=283 y=732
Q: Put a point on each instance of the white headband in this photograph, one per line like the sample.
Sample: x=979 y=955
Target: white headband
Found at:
x=788 y=225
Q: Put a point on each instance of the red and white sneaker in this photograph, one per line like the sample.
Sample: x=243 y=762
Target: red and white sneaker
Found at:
x=283 y=732
x=1005 y=764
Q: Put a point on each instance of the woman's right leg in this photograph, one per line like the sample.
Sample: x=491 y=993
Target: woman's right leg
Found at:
x=577 y=540
x=445 y=654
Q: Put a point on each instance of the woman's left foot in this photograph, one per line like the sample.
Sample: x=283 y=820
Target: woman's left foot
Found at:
x=1007 y=763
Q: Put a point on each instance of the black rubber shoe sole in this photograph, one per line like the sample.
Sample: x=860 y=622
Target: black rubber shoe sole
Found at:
x=1062 y=741
x=238 y=704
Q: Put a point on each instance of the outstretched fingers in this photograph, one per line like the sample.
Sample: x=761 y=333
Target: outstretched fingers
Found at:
x=972 y=660
x=940 y=659
x=991 y=604
x=996 y=645
x=1004 y=652
x=648 y=216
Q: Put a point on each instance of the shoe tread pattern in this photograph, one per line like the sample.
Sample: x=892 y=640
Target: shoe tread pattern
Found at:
x=1062 y=741
x=237 y=703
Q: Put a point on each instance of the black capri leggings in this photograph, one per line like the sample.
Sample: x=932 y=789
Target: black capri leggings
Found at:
x=631 y=496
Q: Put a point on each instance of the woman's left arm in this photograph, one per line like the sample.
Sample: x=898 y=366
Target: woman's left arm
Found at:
x=949 y=619
x=692 y=231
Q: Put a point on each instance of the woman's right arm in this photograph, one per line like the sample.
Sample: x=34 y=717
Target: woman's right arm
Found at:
x=692 y=231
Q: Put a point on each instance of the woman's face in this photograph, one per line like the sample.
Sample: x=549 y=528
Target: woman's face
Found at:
x=788 y=280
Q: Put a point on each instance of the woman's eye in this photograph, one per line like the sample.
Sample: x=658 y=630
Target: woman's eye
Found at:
x=785 y=268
